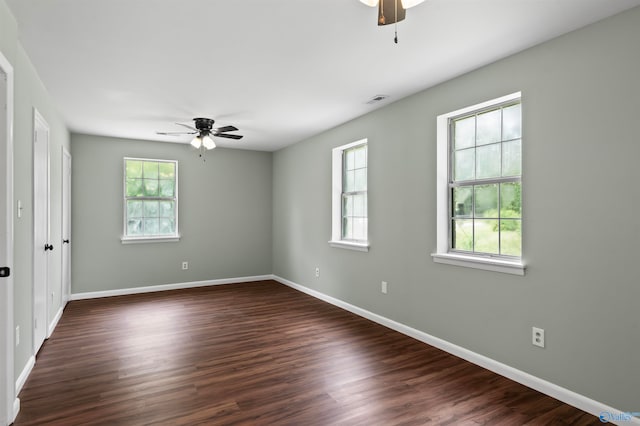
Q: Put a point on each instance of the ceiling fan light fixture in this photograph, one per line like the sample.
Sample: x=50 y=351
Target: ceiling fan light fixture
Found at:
x=406 y=4
x=203 y=133
x=410 y=3
x=196 y=142
x=208 y=142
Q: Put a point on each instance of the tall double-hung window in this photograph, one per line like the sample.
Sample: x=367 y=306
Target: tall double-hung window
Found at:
x=150 y=200
x=480 y=202
x=350 y=218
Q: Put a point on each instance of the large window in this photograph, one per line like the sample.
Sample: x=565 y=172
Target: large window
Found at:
x=150 y=199
x=350 y=221
x=480 y=193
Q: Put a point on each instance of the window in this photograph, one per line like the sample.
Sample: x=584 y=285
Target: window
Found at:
x=349 y=202
x=480 y=186
x=150 y=200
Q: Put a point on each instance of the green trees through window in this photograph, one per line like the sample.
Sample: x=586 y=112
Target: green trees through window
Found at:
x=150 y=198
x=485 y=181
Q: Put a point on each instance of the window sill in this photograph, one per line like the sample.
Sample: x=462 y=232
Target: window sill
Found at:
x=349 y=245
x=487 y=264
x=144 y=240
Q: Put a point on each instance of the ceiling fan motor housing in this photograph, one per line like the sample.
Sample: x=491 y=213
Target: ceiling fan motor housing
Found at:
x=204 y=124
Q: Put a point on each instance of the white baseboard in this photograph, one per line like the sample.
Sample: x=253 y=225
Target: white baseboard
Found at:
x=16 y=409
x=54 y=321
x=165 y=287
x=22 y=378
x=562 y=394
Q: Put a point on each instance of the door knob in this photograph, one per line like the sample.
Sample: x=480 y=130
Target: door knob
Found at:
x=65 y=241
x=48 y=247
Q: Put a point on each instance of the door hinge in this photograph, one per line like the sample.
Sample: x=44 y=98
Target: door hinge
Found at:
x=5 y=271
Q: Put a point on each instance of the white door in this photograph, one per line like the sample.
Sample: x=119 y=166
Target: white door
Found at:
x=7 y=385
x=66 y=226
x=42 y=246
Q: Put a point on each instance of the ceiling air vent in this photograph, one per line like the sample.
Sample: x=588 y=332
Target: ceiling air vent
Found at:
x=377 y=98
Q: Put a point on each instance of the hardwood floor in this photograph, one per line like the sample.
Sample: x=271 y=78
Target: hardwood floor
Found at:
x=259 y=354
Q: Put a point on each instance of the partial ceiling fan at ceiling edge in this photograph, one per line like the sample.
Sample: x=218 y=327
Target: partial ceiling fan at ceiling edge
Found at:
x=391 y=11
x=407 y=4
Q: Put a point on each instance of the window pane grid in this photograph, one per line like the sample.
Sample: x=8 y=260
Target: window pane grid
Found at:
x=486 y=220
x=150 y=198
x=354 y=194
x=484 y=184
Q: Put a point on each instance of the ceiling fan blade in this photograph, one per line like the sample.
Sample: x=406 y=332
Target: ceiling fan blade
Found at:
x=187 y=126
x=225 y=129
x=224 y=135
x=176 y=133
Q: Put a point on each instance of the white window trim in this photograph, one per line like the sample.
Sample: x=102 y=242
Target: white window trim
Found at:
x=442 y=254
x=142 y=240
x=146 y=239
x=336 y=200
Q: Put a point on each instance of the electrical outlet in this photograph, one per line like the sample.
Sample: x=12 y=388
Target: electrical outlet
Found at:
x=17 y=335
x=384 y=287
x=317 y=272
x=185 y=265
x=537 y=336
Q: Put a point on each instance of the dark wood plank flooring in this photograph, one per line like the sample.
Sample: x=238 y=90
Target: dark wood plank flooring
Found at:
x=259 y=354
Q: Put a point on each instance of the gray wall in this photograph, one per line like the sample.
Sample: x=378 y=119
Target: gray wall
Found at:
x=581 y=100
x=29 y=92
x=224 y=216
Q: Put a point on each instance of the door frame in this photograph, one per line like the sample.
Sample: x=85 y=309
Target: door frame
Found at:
x=9 y=403
x=38 y=123
x=66 y=225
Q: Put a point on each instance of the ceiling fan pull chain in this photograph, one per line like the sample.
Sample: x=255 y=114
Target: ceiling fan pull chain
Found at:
x=395 y=38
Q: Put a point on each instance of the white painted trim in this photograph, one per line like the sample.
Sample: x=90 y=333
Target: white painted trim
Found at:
x=26 y=371
x=477 y=262
x=350 y=245
x=562 y=394
x=165 y=287
x=336 y=198
x=146 y=240
x=16 y=408
x=8 y=400
x=54 y=322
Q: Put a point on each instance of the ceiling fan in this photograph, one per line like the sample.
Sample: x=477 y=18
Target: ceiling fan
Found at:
x=204 y=131
x=391 y=11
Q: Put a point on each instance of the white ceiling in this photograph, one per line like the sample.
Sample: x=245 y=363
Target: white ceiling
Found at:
x=279 y=70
